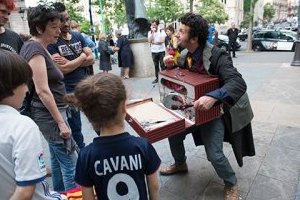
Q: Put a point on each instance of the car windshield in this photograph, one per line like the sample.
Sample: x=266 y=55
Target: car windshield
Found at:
x=291 y=33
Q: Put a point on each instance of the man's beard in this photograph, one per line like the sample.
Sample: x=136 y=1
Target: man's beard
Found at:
x=65 y=29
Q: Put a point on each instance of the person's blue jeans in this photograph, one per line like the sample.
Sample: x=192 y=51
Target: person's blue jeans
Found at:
x=74 y=120
x=212 y=135
x=63 y=167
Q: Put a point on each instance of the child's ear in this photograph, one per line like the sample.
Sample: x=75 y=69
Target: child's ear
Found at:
x=123 y=106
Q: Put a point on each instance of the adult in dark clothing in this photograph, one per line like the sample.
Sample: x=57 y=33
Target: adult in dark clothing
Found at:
x=75 y=66
x=9 y=40
x=125 y=55
x=234 y=125
x=105 y=52
x=232 y=34
x=48 y=109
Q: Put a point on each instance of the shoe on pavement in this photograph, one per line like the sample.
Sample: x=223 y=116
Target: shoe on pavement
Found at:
x=155 y=81
x=234 y=56
x=231 y=192
x=173 y=169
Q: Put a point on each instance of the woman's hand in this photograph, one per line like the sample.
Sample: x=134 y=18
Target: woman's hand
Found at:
x=65 y=131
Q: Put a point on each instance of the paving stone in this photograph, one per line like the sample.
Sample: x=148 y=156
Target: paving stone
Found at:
x=246 y=174
x=288 y=137
x=214 y=191
x=282 y=164
x=261 y=148
x=190 y=185
x=263 y=127
x=263 y=137
x=266 y=188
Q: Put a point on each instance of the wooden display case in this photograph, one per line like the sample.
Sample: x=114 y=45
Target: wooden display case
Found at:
x=153 y=121
x=190 y=86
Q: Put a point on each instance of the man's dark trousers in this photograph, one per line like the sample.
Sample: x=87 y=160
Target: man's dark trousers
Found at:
x=158 y=60
x=231 y=47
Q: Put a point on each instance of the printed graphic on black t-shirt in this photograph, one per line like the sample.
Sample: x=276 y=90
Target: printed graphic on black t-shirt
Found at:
x=10 y=41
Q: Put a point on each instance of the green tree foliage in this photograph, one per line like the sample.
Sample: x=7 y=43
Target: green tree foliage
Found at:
x=269 y=12
x=247 y=6
x=213 y=11
x=114 y=13
x=248 y=16
x=167 y=10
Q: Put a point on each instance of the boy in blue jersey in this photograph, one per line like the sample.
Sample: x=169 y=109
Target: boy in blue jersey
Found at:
x=116 y=163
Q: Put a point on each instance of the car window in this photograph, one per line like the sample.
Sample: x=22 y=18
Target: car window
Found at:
x=271 y=35
x=282 y=36
x=259 y=35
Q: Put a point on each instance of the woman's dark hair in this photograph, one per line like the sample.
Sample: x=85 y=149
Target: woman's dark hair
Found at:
x=39 y=16
x=99 y=97
x=170 y=28
x=14 y=71
x=198 y=27
x=59 y=7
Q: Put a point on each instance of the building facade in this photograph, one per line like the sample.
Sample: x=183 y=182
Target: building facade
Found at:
x=284 y=9
x=18 y=18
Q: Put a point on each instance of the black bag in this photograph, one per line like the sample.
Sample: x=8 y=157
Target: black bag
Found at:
x=26 y=106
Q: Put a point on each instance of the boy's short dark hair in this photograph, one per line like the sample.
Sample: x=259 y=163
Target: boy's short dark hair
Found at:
x=198 y=27
x=39 y=16
x=14 y=71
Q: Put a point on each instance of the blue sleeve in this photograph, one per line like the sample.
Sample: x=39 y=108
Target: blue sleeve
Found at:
x=152 y=161
x=52 y=48
x=82 y=176
x=221 y=94
x=80 y=38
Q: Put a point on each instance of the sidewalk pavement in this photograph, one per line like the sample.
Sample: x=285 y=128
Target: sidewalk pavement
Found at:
x=273 y=174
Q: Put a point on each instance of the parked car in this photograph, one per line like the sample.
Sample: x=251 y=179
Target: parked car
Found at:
x=243 y=36
x=272 y=40
x=223 y=41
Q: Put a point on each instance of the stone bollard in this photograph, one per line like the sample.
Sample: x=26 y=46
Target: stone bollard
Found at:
x=143 y=65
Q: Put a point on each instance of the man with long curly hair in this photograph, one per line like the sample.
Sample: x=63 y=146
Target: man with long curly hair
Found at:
x=235 y=124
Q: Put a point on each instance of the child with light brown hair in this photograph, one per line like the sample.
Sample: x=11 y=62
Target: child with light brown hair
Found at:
x=116 y=163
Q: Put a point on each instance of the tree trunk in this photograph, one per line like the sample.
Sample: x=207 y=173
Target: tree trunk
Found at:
x=249 y=41
x=191 y=5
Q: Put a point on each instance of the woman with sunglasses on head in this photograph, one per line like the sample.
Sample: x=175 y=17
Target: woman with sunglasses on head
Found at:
x=48 y=108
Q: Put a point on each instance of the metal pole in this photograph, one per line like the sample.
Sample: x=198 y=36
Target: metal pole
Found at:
x=296 y=61
x=91 y=21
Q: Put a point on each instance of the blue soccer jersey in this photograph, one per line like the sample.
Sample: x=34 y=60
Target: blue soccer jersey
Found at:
x=117 y=166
